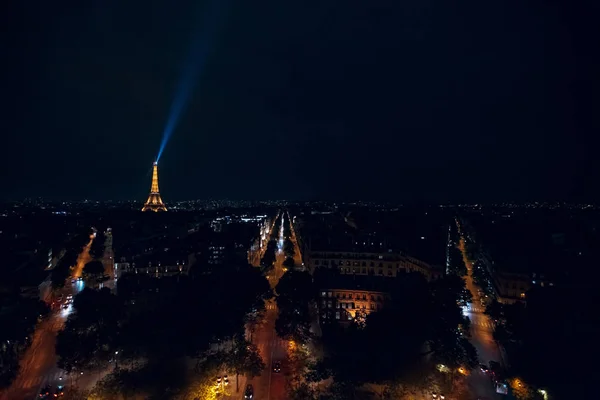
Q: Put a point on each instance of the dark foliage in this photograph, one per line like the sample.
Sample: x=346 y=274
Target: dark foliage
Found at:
x=295 y=292
x=420 y=315
x=94 y=268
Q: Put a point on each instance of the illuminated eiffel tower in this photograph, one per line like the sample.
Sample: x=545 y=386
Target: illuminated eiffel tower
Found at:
x=154 y=202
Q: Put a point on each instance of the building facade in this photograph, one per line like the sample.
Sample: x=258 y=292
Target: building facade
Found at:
x=371 y=264
x=346 y=304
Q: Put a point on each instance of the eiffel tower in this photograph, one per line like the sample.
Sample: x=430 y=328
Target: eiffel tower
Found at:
x=154 y=202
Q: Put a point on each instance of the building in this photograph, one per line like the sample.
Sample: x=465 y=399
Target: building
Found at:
x=154 y=202
x=155 y=269
x=389 y=264
x=537 y=248
x=343 y=298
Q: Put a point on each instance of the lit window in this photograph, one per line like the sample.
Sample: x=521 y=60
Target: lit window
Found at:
x=522 y=295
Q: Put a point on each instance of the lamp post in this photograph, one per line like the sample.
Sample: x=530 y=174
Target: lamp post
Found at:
x=116 y=360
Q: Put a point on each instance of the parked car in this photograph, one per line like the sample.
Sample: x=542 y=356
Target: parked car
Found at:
x=249 y=393
x=277 y=366
x=45 y=392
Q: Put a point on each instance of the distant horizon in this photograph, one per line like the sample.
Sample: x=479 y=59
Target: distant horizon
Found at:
x=388 y=202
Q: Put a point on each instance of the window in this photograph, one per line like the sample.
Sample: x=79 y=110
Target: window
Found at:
x=337 y=315
x=372 y=306
x=350 y=296
x=364 y=271
x=522 y=295
x=323 y=294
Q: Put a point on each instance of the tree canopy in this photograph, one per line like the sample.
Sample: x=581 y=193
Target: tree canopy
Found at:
x=295 y=292
x=94 y=268
x=420 y=320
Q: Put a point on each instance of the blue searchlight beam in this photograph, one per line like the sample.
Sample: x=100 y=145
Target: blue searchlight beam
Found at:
x=201 y=44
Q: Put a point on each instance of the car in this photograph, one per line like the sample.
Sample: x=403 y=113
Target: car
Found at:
x=484 y=368
x=277 y=366
x=249 y=393
x=45 y=392
x=59 y=391
x=65 y=306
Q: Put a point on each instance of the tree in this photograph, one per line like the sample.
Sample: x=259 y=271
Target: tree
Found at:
x=360 y=319
x=89 y=338
x=302 y=392
x=520 y=390
x=294 y=295
x=288 y=262
x=289 y=248
x=244 y=358
x=494 y=310
x=254 y=318
x=94 y=269
x=451 y=289
x=62 y=270
x=457 y=263
x=97 y=247
x=18 y=320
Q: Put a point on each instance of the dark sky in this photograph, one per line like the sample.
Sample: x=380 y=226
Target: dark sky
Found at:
x=395 y=100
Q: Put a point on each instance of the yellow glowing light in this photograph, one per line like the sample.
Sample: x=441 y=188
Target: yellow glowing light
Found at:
x=154 y=202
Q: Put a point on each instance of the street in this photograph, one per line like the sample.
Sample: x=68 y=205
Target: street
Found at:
x=482 y=329
x=271 y=385
x=38 y=364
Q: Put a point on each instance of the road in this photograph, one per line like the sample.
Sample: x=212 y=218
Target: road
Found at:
x=271 y=385
x=297 y=256
x=38 y=364
x=482 y=329
x=256 y=252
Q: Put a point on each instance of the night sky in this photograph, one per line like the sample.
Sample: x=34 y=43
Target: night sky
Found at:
x=379 y=100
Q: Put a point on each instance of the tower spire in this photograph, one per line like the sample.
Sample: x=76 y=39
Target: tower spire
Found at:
x=154 y=188
x=154 y=202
